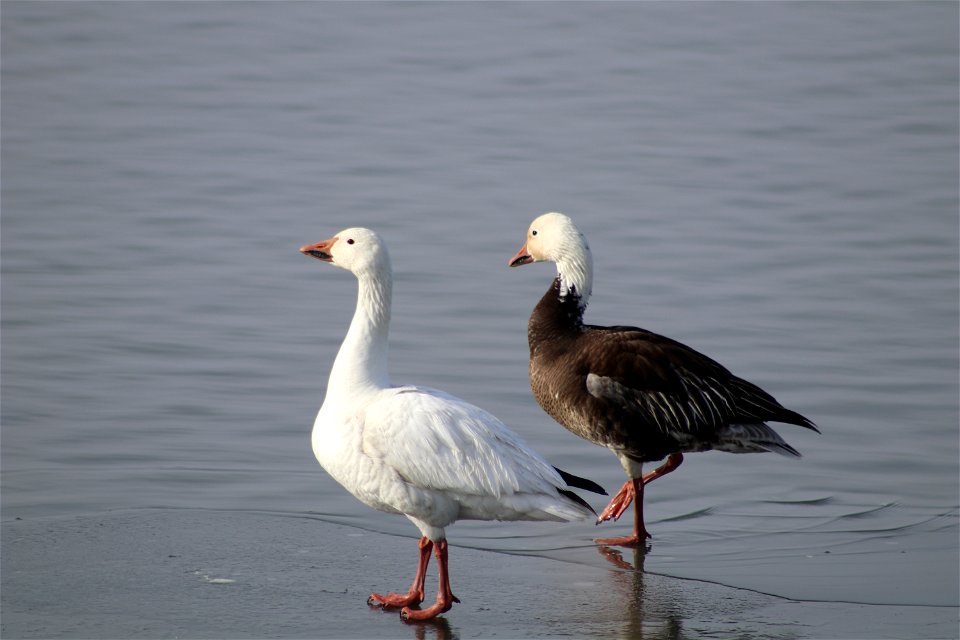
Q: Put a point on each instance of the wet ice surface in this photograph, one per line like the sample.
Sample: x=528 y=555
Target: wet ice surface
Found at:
x=219 y=574
x=804 y=549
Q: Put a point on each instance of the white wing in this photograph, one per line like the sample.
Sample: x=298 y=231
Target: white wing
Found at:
x=438 y=442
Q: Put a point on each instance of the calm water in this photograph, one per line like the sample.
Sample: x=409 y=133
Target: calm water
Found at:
x=773 y=184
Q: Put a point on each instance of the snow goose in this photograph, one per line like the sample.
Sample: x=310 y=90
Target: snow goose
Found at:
x=417 y=451
x=643 y=396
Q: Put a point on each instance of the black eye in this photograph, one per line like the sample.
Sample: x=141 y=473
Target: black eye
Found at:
x=534 y=232
x=349 y=240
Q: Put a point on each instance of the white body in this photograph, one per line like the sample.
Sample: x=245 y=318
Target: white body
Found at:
x=414 y=450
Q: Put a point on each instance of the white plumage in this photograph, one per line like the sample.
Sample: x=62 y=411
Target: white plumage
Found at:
x=436 y=459
x=419 y=451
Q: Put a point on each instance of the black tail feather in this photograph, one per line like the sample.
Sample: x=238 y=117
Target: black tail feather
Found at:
x=580 y=483
x=758 y=405
x=792 y=417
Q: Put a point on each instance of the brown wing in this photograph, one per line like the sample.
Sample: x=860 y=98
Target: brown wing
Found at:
x=665 y=384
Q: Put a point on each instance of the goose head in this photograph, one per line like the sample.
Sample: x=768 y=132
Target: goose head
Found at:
x=553 y=237
x=356 y=249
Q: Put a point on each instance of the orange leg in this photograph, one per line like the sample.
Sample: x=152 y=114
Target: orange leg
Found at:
x=620 y=502
x=415 y=595
x=632 y=491
x=445 y=597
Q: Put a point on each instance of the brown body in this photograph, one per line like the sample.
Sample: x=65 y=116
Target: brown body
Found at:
x=641 y=394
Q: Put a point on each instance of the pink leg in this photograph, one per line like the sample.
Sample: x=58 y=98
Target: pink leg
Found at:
x=415 y=595
x=632 y=491
x=445 y=597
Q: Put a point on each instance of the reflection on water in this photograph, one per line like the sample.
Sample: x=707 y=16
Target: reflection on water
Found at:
x=436 y=629
x=630 y=583
x=649 y=608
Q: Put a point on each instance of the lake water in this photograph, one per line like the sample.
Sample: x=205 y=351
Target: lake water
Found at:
x=773 y=184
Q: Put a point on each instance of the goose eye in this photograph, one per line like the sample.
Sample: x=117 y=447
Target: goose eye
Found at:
x=349 y=240
x=534 y=232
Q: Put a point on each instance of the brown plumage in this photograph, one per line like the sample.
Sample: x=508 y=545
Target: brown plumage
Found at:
x=642 y=395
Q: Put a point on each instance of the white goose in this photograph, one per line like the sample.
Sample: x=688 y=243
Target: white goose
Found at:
x=418 y=451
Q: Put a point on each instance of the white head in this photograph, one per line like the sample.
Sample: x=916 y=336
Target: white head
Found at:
x=356 y=249
x=553 y=237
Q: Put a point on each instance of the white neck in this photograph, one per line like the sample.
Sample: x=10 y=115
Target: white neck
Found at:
x=362 y=360
x=575 y=270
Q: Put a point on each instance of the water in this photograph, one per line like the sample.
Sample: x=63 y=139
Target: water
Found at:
x=773 y=184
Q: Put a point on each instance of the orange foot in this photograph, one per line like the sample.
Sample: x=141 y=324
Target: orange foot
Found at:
x=395 y=599
x=442 y=605
x=620 y=502
x=415 y=594
x=634 y=540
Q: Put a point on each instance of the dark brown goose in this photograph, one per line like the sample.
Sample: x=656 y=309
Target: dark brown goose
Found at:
x=643 y=396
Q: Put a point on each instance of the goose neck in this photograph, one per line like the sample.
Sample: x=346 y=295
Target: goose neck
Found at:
x=575 y=276
x=362 y=359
